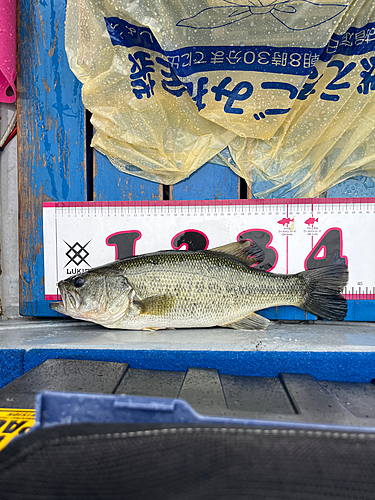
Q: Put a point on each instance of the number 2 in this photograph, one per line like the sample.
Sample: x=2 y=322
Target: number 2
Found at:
x=192 y=239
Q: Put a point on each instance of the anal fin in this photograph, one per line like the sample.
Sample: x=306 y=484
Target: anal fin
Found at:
x=252 y=322
x=152 y=328
x=156 y=328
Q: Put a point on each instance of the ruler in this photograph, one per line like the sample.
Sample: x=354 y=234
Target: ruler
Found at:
x=295 y=234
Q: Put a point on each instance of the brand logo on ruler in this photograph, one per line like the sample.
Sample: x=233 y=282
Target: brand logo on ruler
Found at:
x=76 y=254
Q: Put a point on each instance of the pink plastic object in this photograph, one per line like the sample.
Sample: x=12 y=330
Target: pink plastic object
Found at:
x=8 y=42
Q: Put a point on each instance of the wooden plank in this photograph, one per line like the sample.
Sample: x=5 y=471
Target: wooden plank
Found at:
x=51 y=139
x=110 y=184
x=259 y=185
x=210 y=182
x=287 y=313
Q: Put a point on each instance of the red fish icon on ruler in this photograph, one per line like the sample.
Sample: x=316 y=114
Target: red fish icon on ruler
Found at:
x=285 y=221
x=310 y=221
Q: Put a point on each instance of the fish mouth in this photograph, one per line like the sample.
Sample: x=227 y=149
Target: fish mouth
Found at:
x=69 y=300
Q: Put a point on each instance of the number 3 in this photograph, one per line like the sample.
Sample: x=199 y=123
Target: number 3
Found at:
x=262 y=238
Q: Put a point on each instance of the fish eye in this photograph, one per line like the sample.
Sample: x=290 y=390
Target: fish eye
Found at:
x=79 y=281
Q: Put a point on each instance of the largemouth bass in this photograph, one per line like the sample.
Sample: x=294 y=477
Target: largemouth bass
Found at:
x=190 y=289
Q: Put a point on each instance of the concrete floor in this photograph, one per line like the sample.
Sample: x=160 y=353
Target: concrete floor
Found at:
x=26 y=333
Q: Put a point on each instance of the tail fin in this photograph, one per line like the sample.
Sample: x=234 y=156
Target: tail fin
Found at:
x=324 y=286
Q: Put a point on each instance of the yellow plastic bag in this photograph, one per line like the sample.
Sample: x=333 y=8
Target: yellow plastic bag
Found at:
x=287 y=86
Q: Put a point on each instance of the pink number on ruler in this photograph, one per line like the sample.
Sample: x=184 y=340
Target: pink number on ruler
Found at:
x=262 y=238
x=327 y=251
x=192 y=239
x=124 y=243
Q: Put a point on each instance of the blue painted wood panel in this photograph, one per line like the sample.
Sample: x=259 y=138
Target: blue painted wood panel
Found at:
x=210 y=182
x=51 y=137
x=356 y=187
x=286 y=313
x=109 y=184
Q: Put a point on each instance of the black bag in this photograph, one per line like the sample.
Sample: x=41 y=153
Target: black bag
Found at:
x=187 y=462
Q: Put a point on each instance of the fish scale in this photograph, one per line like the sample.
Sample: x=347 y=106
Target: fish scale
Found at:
x=215 y=288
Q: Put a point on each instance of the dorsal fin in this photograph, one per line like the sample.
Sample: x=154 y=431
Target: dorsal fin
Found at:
x=247 y=251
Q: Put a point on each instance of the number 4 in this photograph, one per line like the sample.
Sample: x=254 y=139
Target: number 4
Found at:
x=327 y=251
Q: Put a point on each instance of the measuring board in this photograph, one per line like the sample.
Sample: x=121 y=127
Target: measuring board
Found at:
x=296 y=234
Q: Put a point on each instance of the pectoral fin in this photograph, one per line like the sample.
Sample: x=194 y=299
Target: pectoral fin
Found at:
x=159 y=305
x=252 y=322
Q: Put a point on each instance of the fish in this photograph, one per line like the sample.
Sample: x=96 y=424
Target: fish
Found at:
x=198 y=289
x=285 y=220
x=311 y=221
